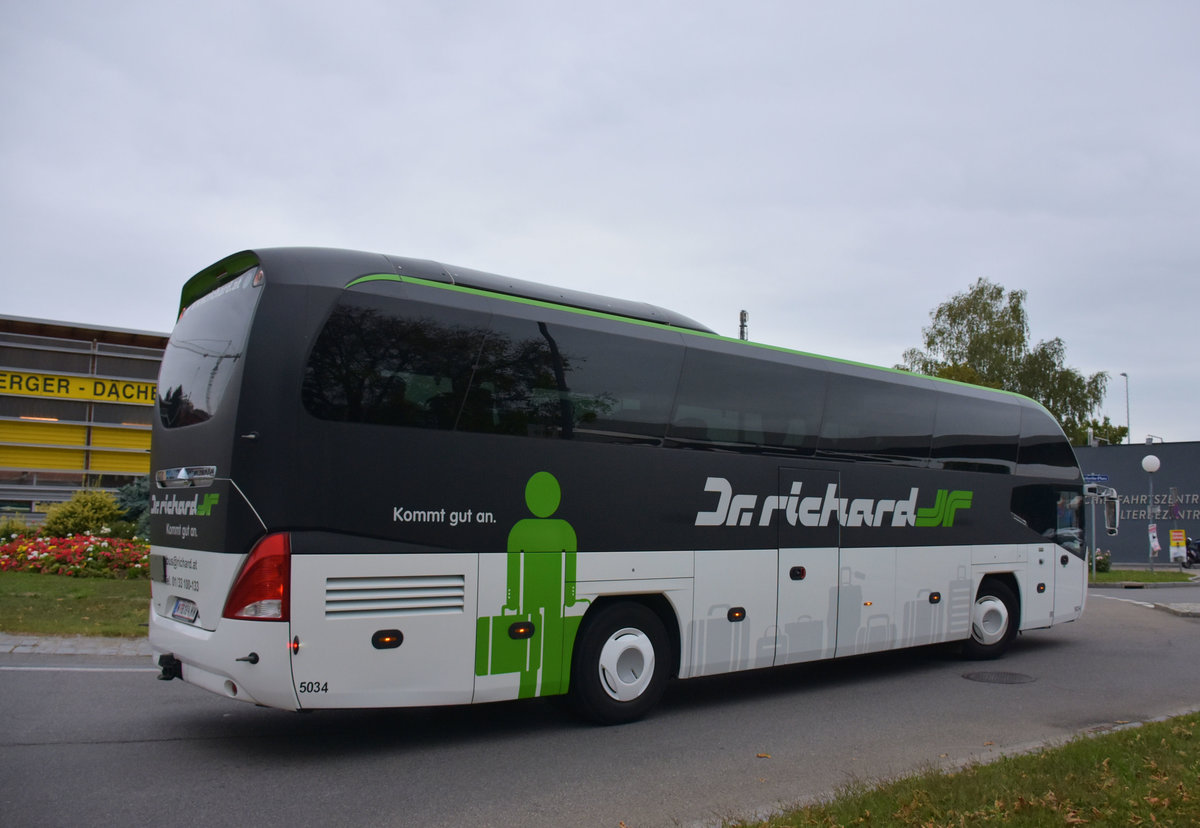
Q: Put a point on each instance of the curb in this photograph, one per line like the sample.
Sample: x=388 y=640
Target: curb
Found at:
x=1143 y=585
x=73 y=645
x=1182 y=610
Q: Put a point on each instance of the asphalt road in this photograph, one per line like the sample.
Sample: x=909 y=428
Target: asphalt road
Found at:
x=98 y=741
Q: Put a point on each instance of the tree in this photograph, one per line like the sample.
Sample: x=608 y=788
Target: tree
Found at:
x=1102 y=433
x=982 y=337
x=134 y=500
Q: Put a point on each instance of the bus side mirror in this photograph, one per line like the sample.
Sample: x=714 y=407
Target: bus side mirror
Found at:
x=1112 y=515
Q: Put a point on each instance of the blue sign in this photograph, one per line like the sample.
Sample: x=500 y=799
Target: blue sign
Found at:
x=1095 y=478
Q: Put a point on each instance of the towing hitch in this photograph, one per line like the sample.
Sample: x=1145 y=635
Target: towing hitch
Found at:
x=172 y=668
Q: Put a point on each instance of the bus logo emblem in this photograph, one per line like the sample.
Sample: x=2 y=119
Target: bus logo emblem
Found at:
x=822 y=509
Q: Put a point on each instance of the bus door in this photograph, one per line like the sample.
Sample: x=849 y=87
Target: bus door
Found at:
x=381 y=630
x=1070 y=558
x=1037 y=598
x=807 y=616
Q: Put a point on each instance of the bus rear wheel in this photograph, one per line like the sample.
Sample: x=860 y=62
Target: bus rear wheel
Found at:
x=995 y=618
x=620 y=666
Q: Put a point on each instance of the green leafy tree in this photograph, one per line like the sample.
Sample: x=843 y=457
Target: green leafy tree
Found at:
x=981 y=336
x=1103 y=433
x=134 y=500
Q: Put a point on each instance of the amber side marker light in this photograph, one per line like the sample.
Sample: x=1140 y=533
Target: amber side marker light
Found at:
x=387 y=639
x=736 y=614
x=521 y=630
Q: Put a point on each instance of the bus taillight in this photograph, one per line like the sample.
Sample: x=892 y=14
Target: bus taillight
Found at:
x=260 y=592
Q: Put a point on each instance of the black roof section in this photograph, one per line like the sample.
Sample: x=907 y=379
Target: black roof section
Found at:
x=335 y=268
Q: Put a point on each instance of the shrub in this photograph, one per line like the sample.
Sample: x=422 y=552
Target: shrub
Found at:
x=13 y=527
x=88 y=510
x=1103 y=560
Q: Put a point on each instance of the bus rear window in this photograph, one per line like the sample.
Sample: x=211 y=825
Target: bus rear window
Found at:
x=204 y=351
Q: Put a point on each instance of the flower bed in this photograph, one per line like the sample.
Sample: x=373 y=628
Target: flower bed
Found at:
x=84 y=556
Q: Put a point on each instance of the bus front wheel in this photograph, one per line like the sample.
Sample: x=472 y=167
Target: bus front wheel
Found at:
x=620 y=666
x=995 y=619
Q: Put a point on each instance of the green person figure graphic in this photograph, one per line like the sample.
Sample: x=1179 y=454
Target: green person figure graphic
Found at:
x=540 y=585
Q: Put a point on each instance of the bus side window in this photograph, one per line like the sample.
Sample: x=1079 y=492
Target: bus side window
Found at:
x=1053 y=511
x=376 y=361
x=1044 y=451
x=555 y=378
x=745 y=404
x=974 y=434
x=877 y=420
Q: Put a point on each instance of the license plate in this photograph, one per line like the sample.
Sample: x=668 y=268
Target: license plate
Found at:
x=185 y=610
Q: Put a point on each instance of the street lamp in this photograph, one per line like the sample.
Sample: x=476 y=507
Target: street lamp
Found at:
x=1128 y=429
x=1150 y=465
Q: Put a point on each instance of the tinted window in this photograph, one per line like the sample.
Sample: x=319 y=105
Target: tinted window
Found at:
x=427 y=366
x=125 y=414
x=119 y=367
x=45 y=360
x=47 y=407
x=747 y=403
x=874 y=420
x=972 y=434
x=204 y=352
x=1044 y=450
x=378 y=361
x=1054 y=512
x=548 y=379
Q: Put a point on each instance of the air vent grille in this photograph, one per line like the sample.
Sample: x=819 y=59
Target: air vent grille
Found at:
x=378 y=597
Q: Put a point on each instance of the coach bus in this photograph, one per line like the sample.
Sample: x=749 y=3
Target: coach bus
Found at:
x=383 y=481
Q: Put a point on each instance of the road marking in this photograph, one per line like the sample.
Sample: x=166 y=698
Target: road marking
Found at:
x=1126 y=600
x=80 y=669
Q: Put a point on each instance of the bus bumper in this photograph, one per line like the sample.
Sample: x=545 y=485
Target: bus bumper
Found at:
x=243 y=660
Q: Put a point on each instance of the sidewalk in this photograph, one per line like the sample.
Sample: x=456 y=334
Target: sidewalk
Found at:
x=1183 y=609
x=73 y=645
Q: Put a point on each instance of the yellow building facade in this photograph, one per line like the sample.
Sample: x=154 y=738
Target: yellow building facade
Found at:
x=75 y=408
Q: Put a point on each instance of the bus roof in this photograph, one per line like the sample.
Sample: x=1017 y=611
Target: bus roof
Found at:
x=331 y=267
x=336 y=268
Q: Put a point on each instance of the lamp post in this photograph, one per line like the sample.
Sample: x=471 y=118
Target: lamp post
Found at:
x=1150 y=465
x=1128 y=429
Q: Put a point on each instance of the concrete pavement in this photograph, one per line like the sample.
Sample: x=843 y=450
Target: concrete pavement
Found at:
x=1137 y=591
x=18 y=643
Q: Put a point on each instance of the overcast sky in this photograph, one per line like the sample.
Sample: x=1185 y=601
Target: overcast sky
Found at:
x=837 y=169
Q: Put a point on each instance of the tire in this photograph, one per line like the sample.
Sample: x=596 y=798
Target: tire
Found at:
x=995 y=618
x=620 y=666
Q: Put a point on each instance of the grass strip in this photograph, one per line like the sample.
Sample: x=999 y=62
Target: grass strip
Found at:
x=1163 y=575
x=1144 y=775
x=40 y=604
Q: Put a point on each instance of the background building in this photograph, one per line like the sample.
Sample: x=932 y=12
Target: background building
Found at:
x=1176 y=496
x=75 y=408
